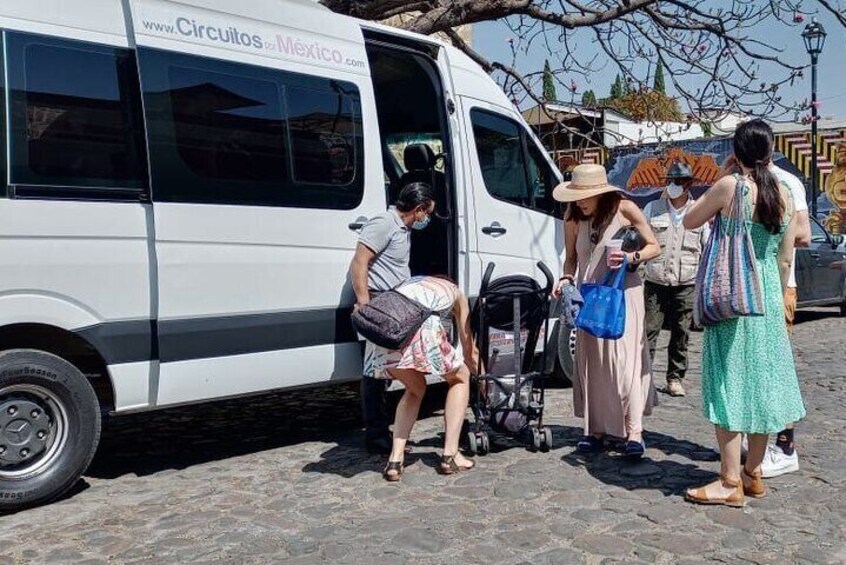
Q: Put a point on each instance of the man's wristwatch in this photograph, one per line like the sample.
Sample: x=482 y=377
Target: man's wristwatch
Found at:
x=636 y=257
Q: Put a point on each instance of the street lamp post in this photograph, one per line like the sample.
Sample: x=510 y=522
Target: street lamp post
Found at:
x=814 y=36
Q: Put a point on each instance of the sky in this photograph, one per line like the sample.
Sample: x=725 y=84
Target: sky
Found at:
x=490 y=39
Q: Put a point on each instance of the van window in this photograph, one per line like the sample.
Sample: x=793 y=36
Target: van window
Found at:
x=501 y=157
x=541 y=180
x=322 y=135
x=513 y=167
x=227 y=133
x=75 y=115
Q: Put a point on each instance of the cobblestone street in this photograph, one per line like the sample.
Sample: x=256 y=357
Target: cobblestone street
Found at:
x=284 y=478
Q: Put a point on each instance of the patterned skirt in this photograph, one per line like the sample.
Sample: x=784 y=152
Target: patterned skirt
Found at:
x=430 y=351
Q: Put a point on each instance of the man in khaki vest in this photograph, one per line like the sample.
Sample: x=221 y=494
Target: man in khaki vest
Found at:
x=670 y=279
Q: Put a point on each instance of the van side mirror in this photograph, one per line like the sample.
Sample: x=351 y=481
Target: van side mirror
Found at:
x=836 y=240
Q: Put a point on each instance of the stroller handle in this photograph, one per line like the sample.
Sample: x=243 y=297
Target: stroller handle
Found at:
x=550 y=280
x=486 y=278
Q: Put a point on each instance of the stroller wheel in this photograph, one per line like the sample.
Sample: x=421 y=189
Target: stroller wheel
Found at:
x=486 y=443
x=547 y=438
x=537 y=439
x=472 y=443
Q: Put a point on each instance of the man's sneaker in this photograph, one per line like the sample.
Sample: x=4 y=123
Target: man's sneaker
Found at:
x=744 y=447
x=777 y=462
x=675 y=388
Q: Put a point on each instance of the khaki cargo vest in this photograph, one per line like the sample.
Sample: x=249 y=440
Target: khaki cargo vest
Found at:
x=681 y=249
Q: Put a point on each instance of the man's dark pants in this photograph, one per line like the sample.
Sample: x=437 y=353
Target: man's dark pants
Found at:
x=673 y=304
x=374 y=410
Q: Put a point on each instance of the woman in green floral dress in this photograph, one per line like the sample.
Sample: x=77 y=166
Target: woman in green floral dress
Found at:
x=749 y=382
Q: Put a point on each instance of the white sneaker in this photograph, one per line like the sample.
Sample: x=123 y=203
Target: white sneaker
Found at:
x=744 y=447
x=777 y=462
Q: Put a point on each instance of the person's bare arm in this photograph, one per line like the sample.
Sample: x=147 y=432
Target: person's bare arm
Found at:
x=788 y=242
x=715 y=200
x=785 y=250
x=636 y=218
x=461 y=313
x=359 y=268
x=571 y=258
x=803 y=229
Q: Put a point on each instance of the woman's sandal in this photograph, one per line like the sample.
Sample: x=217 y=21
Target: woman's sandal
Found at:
x=736 y=499
x=449 y=465
x=395 y=467
x=754 y=487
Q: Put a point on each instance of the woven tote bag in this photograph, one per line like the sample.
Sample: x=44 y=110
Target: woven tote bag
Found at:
x=727 y=283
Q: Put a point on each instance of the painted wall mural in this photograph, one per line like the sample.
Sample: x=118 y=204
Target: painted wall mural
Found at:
x=835 y=190
x=641 y=170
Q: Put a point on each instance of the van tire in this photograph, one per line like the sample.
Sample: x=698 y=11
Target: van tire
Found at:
x=49 y=427
x=562 y=369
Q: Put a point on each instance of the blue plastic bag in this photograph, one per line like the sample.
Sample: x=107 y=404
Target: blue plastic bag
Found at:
x=604 y=312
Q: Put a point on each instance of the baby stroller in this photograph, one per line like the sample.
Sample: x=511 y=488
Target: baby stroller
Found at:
x=509 y=395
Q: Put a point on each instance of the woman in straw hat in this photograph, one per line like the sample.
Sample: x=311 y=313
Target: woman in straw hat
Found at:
x=612 y=389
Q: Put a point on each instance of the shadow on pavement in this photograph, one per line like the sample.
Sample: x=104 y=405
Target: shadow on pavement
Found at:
x=177 y=438
x=670 y=477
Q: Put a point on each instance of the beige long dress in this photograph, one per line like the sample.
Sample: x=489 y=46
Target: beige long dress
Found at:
x=613 y=388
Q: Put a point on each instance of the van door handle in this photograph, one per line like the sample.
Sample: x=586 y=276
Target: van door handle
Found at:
x=357 y=224
x=815 y=255
x=494 y=229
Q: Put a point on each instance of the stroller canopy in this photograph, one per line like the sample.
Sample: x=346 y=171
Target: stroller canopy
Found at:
x=498 y=301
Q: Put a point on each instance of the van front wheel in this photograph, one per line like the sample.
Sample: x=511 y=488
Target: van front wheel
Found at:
x=49 y=427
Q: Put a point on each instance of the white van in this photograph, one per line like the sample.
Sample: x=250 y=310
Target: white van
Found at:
x=182 y=185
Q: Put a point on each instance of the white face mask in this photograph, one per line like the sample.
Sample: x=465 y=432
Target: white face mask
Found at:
x=674 y=190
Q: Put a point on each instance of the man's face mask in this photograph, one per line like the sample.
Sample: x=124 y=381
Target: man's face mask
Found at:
x=421 y=224
x=674 y=190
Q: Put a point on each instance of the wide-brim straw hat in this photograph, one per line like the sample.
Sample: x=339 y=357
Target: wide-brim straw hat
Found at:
x=588 y=181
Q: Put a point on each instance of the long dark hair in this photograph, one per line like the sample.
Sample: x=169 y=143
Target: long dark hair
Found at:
x=753 y=147
x=606 y=207
x=415 y=194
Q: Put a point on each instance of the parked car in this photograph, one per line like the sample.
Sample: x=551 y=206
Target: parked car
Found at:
x=821 y=270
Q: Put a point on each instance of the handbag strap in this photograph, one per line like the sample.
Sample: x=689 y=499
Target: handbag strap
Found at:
x=742 y=206
x=614 y=278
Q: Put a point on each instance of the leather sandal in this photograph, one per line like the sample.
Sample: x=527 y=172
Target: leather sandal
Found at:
x=393 y=466
x=736 y=499
x=754 y=487
x=449 y=465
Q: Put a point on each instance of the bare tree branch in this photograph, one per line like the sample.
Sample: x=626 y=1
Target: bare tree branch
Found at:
x=712 y=52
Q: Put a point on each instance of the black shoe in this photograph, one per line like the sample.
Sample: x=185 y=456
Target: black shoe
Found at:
x=634 y=449
x=590 y=444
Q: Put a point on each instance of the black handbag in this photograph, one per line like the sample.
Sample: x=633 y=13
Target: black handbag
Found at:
x=632 y=241
x=390 y=319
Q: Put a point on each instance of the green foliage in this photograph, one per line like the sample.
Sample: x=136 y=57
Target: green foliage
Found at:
x=707 y=129
x=589 y=99
x=617 y=89
x=549 y=93
x=648 y=105
x=659 y=80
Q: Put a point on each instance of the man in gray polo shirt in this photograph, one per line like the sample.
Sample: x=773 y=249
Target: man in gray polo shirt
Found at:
x=380 y=263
